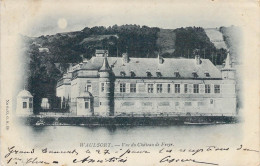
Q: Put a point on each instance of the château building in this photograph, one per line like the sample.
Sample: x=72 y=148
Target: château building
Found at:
x=124 y=86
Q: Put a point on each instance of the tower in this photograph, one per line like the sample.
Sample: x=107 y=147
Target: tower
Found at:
x=105 y=92
x=227 y=71
x=24 y=105
x=85 y=104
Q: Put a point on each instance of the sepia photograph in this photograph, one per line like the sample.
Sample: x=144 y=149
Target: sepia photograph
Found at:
x=130 y=83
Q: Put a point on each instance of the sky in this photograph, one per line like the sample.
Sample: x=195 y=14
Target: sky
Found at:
x=51 y=18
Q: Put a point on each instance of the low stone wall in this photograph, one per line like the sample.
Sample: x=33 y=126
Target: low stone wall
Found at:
x=135 y=121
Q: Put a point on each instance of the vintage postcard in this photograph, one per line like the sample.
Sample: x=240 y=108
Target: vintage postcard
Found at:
x=130 y=82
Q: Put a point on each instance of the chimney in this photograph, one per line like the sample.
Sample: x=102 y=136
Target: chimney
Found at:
x=160 y=59
x=197 y=60
x=125 y=57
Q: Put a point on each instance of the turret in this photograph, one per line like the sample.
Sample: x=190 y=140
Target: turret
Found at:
x=227 y=71
x=105 y=92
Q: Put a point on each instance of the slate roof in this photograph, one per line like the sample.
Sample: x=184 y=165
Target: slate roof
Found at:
x=140 y=66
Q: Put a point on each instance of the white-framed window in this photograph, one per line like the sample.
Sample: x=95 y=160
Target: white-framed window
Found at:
x=217 y=88
x=102 y=87
x=169 y=88
x=207 y=88
x=177 y=88
x=24 y=104
x=132 y=88
x=122 y=87
x=150 y=88
x=159 y=88
x=195 y=88
x=185 y=88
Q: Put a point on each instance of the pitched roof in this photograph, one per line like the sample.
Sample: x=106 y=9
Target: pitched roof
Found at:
x=140 y=66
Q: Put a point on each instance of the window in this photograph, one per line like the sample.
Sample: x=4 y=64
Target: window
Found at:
x=86 y=105
x=122 y=87
x=150 y=88
x=207 y=74
x=24 y=104
x=132 y=88
x=195 y=88
x=177 y=88
x=177 y=74
x=132 y=74
x=122 y=73
x=159 y=74
x=102 y=87
x=194 y=73
x=217 y=88
x=207 y=88
x=149 y=74
x=30 y=103
x=185 y=88
x=169 y=88
x=159 y=88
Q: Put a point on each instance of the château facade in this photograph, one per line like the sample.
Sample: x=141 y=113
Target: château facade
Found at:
x=124 y=86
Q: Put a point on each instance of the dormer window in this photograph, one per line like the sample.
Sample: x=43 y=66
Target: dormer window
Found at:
x=194 y=73
x=207 y=74
x=177 y=74
x=122 y=73
x=159 y=74
x=132 y=74
x=149 y=74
